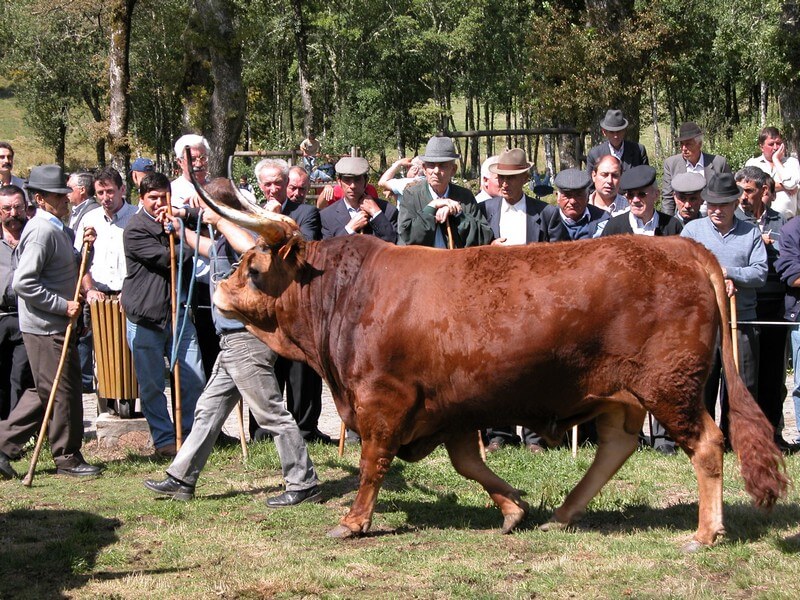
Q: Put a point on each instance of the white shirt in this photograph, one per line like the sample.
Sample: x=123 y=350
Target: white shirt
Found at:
x=514 y=222
x=700 y=167
x=108 y=266
x=785 y=201
x=617 y=153
x=181 y=190
x=640 y=228
x=617 y=207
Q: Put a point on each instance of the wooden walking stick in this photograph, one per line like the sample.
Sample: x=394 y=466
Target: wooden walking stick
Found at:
x=735 y=332
x=240 y=414
x=27 y=481
x=451 y=244
x=342 y=435
x=176 y=386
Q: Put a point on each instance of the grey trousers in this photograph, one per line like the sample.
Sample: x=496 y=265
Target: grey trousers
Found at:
x=244 y=369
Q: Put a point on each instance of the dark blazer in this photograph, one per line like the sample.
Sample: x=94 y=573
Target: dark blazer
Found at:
x=596 y=216
x=621 y=224
x=712 y=163
x=417 y=222
x=540 y=227
x=633 y=155
x=306 y=217
x=383 y=226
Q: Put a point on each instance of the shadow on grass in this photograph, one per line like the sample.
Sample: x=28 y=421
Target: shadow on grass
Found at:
x=440 y=509
x=48 y=553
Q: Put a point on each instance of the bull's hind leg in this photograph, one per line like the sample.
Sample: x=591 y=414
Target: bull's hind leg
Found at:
x=376 y=459
x=465 y=456
x=618 y=437
x=702 y=440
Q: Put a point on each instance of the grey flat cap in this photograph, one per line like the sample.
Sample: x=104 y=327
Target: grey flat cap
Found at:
x=688 y=183
x=637 y=178
x=440 y=149
x=352 y=165
x=572 y=179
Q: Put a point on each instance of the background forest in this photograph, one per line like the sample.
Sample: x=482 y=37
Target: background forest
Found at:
x=129 y=76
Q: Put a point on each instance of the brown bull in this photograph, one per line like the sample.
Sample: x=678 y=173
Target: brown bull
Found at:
x=422 y=347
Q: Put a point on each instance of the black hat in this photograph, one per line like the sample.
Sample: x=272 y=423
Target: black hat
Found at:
x=614 y=120
x=721 y=189
x=689 y=131
x=572 y=179
x=637 y=178
x=48 y=178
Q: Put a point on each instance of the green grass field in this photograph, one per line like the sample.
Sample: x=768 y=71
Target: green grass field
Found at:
x=434 y=534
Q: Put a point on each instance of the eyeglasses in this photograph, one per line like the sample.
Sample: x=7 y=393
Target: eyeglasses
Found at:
x=202 y=159
x=631 y=194
x=9 y=209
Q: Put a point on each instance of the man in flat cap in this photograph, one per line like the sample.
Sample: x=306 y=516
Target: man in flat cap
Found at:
x=606 y=176
x=785 y=170
x=435 y=213
x=358 y=212
x=690 y=160
x=581 y=220
x=769 y=298
x=614 y=127
x=517 y=219
x=740 y=251
x=639 y=185
x=686 y=188
x=45 y=282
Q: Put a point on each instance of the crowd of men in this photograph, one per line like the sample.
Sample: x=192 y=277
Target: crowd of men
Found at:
x=745 y=219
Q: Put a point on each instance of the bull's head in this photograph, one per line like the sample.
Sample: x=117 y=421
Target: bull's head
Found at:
x=264 y=272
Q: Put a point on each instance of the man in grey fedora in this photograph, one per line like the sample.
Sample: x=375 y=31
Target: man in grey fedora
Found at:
x=740 y=251
x=436 y=208
x=690 y=160
x=45 y=282
x=614 y=126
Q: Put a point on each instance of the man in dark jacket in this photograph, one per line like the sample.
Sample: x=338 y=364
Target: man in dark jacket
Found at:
x=146 y=301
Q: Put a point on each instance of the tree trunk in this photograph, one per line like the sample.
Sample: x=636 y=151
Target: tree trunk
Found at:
x=548 y=154
x=119 y=82
x=301 y=43
x=659 y=149
x=61 y=145
x=228 y=98
x=789 y=94
x=762 y=105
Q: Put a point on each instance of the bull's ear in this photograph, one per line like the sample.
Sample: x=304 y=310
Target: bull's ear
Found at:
x=294 y=250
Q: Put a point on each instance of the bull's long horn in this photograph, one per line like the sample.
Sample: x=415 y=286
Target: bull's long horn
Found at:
x=275 y=228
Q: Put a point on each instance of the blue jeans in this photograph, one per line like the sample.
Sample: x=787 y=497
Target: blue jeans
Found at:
x=794 y=336
x=149 y=347
x=244 y=369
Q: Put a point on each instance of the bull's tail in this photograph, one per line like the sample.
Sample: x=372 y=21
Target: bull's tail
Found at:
x=752 y=436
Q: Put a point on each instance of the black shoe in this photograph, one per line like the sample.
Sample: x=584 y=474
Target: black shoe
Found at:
x=666 y=450
x=226 y=441
x=786 y=447
x=293 y=498
x=6 y=470
x=171 y=487
x=318 y=437
x=80 y=470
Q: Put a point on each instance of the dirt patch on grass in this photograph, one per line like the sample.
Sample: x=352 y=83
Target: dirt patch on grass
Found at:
x=134 y=442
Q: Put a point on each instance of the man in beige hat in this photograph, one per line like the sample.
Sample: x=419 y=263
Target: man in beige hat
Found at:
x=431 y=212
x=691 y=159
x=517 y=219
x=358 y=212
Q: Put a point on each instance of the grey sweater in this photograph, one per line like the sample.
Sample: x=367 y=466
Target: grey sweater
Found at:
x=46 y=275
x=741 y=251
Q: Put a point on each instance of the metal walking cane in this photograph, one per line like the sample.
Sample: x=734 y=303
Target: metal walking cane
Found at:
x=176 y=385
x=27 y=481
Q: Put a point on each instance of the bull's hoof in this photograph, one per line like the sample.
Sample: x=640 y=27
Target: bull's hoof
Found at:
x=341 y=532
x=553 y=526
x=692 y=546
x=510 y=522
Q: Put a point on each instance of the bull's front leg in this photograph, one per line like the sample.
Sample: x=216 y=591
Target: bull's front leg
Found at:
x=376 y=459
x=464 y=453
